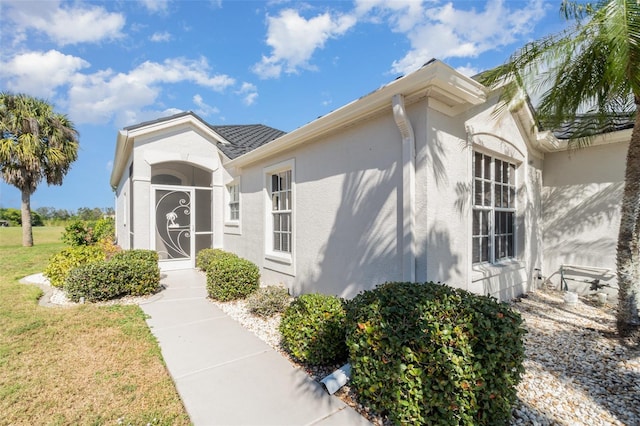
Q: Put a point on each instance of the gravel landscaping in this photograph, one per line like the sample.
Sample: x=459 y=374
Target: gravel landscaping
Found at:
x=577 y=371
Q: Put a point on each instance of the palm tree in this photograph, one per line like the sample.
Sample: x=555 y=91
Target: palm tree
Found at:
x=36 y=143
x=590 y=74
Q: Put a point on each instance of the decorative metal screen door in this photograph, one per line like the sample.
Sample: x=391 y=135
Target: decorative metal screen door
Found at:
x=173 y=226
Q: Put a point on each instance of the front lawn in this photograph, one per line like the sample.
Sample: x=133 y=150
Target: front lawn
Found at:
x=77 y=365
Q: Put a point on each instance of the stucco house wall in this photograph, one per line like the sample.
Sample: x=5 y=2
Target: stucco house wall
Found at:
x=345 y=211
x=382 y=189
x=582 y=194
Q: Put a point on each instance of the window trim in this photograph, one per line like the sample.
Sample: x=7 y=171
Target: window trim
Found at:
x=232 y=226
x=279 y=260
x=492 y=209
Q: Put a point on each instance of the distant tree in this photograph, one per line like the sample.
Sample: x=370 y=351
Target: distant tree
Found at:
x=13 y=216
x=37 y=143
x=594 y=67
x=86 y=213
x=47 y=213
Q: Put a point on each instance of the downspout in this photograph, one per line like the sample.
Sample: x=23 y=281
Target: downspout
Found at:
x=408 y=188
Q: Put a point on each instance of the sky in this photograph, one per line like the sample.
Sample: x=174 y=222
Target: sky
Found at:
x=111 y=64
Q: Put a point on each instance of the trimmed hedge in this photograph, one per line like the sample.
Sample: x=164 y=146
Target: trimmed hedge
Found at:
x=150 y=256
x=69 y=258
x=428 y=353
x=268 y=301
x=230 y=277
x=206 y=256
x=99 y=281
x=313 y=329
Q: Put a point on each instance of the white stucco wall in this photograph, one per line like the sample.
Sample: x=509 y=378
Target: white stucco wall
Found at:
x=346 y=212
x=348 y=206
x=182 y=144
x=448 y=175
x=582 y=193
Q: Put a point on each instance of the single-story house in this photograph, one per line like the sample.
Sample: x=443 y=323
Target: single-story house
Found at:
x=420 y=180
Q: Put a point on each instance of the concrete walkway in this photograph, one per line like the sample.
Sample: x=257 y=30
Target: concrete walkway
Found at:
x=226 y=375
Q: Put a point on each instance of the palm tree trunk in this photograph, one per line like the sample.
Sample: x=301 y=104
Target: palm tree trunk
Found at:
x=628 y=258
x=27 y=234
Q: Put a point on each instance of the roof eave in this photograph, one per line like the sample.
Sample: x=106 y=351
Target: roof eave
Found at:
x=435 y=77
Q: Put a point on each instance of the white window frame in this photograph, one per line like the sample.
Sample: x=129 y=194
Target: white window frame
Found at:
x=279 y=260
x=232 y=225
x=507 y=196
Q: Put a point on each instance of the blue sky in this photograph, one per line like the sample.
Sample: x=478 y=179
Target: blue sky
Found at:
x=110 y=64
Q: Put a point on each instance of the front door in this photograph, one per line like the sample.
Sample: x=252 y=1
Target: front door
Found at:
x=173 y=226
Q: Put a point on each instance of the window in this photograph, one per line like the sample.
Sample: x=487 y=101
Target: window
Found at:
x=281 y=209
x=234 y=201
x=494 y=209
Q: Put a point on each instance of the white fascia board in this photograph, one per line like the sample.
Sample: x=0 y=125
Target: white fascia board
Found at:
x=413 y=86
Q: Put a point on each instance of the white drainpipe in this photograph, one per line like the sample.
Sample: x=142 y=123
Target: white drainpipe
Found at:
x=408 y=188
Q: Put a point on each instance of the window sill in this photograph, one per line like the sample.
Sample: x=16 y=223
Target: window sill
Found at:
x=487 y=270
x=285 y=259
x=232 y=227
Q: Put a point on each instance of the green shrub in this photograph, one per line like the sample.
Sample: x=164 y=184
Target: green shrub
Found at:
x=104 y=228
x=268 y=301
x=206 y=256
x=230 y=277
x=78 y=233
x=96 y=281
x=106 y=280
x=313 y=329
x=150 y=256
x=62 y=263
x=430 y=353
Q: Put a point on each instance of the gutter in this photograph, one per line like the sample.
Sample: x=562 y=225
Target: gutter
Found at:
x=408 y=188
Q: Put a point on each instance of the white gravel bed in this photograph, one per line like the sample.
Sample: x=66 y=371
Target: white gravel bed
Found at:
x=577 y=371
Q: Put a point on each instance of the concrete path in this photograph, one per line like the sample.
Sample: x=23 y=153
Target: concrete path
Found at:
x=226 y=375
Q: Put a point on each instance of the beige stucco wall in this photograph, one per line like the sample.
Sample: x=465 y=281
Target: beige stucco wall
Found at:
x=582 y=193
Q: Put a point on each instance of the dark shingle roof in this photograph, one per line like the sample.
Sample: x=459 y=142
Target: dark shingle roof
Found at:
x=245 y=138
x=241 y=138
x=585 y=125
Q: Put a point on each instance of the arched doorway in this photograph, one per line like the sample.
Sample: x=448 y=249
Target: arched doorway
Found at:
x=182 y=216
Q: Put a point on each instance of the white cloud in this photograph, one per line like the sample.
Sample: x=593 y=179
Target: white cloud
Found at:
x=160 y=37
x=101 y=96
x=63 y=24
x=293 y=40
x=250 y=93
x=40 y=73
x=156 y=6
x=106 y=95
x=204 y=109
x=443 y=31
x=468 y=70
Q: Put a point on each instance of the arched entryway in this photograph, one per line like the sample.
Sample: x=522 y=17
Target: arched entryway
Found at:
x=182 y=213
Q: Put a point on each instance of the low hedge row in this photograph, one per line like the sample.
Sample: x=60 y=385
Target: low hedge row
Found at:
x=130 y=272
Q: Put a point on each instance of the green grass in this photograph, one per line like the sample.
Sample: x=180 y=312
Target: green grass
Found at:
x=77 y=365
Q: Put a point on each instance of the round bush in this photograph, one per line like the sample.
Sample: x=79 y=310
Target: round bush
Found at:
x=268 y=301
x=431 y=353
x=313 y=329
x=231 y=277
x=69 y=258
x=206 y=256
x=150 y=256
